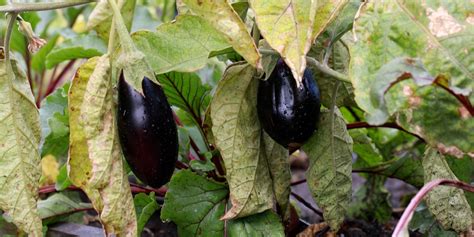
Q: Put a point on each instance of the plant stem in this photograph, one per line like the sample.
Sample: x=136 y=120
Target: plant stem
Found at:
x=356 y=125
x=306 y=204
x=313 y=62
x=41 y=6
x=11 y=18
x=298 y=182
x=408 y=213
x=255 y=32
x=135 y=188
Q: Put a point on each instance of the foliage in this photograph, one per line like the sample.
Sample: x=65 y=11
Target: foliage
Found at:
x=396 y=81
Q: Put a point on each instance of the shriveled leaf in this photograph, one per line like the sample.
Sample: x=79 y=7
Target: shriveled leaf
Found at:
x=182 y=45
x=82 y=46
x=55 y=123
x=145 y=207
x=109 y=193
x=329 y=174
x=262 y=224
x=100 y=18
x=195 y=204
x=237 y=134
x=279 y=166
x=448 y=204
x=221 y=16
x=185 y=90
x=59 y=204
x=20 y=133
x=436 y=32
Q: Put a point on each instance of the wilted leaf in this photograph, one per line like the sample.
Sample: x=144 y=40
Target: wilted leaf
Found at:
x=145 y=207
x=83 y=46
x=329 y=174
x=182 y=45
x=237 y=134
x=448 y=204
x=100 y=18
x=185 y=90
x=109 y=193
x=435 y=32
x=279 y=166
x=195 y=204
x=262 y=224
x=20 y=133
x=221 y=16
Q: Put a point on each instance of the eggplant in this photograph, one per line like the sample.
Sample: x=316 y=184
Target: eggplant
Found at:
x=147 y=132
x=287 y=112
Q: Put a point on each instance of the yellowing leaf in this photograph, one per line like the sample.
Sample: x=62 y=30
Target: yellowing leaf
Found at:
x=100 y=18
x=238 y=137
x=50 y=170
x=20 y=168
x=95 y=158
x=221 y=15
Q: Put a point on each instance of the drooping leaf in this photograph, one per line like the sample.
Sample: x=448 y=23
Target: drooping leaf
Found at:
x=82 y=46
x=223 y=18
x=20 y=133
x=448 y=204
x=182 y=45
x=279 y=166
x=329 y=174
x=195 y=204
x=100 y=18
x=59 y=204
x=145 y=207
x=185 y=90
x=237 y=135
x=290 y=27
x=436 y=32
x=263 y=224
x=55 y=123
x=92 y=133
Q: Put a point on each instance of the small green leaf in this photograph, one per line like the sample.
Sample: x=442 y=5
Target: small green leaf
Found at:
x=38 y=60
x=59 y=204
x=448 y=204
x=263 y=224
x=237 y=134
x=182 y=45
x=203 y=166
x=195 y=204
x=365 y=148
x=145 y=207
x=329 y=174
x=82 y=46
x=62 y=180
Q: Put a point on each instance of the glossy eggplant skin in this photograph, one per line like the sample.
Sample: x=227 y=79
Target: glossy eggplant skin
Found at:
x=147 y=132
x=288 y=113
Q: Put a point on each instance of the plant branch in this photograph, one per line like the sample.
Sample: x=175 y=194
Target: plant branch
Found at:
x=463 y=99
x=408 y=213
x=298 y=182
x=356 y=125
x=41 y=6
x=135 y=188
x=306 y=204
x=320 y=66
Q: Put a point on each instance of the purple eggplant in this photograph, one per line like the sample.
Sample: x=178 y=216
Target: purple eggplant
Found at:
x=288 y=113
x=147 y=132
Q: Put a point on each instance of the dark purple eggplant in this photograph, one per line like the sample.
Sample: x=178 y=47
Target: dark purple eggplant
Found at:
x=147 y=132
x=288 y=113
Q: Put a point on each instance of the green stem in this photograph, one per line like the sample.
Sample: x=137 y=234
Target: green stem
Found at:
x=11 y=18
x=255 y=33
x=313 y=62
x=41 y=6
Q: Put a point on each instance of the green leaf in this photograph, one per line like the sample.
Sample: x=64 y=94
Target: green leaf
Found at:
x=59 y=204
x=463 y=169
x=365 y=148
x=62 y=180
x=223 y=18
x=237 y=135
x=145 y=207
x=424 y=222
x=448 y=204
x=436 y=32
x=263 y=224
x=100 y=18
x=55 y=123
x=38 y=60
x=203 y=166
x=20 y=135
x=195 y=204
x=372 y=201
x=185 y=90
x=329 y=174
x=82 y=46
x=279 y=166
x=182 y=45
